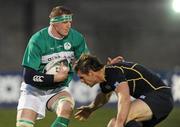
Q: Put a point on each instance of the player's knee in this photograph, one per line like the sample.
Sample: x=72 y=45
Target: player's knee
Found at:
x=24 y=123
x=62 y=102
x=133 y=123
x=131 y=116
x=67 y=102
x=111 y=122
x=65 y=105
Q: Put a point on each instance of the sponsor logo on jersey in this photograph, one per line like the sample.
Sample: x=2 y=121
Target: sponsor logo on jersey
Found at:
x=142 y=97
x=116 y=84
x=60 y=46
x=38 y=78
x=52 y=49
x=107 y=87
x=67 y=45
x=69 y=55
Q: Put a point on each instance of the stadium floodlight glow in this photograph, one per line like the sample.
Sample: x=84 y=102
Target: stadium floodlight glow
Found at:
x=176 y=5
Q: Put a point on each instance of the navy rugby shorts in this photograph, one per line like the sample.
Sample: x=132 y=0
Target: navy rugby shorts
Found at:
x=160 y=103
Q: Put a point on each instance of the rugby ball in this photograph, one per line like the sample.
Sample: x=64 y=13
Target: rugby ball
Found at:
x=55 y=66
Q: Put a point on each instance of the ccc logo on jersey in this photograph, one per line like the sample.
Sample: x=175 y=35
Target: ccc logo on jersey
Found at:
x=38 y=78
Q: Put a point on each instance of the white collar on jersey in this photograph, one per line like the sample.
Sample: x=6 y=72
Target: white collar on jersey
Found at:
x=50 y=33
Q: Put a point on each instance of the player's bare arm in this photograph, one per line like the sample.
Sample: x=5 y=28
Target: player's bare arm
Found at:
x=84 y=112
x=122 y=91
x=100 y=100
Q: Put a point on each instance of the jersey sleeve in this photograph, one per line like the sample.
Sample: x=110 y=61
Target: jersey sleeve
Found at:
x=81 y=48
x=32 y=55
x=114 y=76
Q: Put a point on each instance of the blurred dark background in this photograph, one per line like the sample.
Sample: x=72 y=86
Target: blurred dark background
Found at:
x=144 y=31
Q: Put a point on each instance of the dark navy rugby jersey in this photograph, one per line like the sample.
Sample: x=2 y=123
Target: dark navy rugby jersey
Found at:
x=140 y=79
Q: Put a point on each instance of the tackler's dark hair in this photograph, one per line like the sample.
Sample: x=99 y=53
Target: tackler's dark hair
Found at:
x=88 y=62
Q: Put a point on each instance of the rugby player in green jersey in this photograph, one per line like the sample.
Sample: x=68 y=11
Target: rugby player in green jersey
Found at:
x=40 y=90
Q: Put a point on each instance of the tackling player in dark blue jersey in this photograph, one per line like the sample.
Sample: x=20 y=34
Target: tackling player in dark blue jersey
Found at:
x=153 y=100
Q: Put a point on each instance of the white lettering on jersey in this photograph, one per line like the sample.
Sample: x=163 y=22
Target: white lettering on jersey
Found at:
x=69 y=55
x=38 y=78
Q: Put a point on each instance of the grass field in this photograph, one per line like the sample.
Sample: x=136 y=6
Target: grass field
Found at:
x=99 y=119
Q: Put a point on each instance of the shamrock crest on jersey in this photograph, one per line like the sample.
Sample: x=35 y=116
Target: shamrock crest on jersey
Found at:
x=67 y=45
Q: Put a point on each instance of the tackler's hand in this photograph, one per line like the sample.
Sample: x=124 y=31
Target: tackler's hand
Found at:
x=83 y=113
x=115 y=60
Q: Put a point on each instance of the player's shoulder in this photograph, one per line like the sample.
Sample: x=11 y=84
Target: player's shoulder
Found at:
x=74 y=32
x=112 y=69
x=122 y=65
x=39 y=35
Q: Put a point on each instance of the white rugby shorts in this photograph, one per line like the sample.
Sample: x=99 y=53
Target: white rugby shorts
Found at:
x=36 y=99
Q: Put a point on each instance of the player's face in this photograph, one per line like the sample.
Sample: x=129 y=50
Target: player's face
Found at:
x=89 y=79
x=63 y=28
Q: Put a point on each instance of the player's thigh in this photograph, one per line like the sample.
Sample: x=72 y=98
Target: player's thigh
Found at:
x=139 y=111
x=26 y=114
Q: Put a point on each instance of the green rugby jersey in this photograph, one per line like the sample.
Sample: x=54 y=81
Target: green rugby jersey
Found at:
x=42 y=48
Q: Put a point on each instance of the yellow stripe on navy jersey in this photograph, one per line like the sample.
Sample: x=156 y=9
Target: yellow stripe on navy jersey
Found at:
x=139 y=78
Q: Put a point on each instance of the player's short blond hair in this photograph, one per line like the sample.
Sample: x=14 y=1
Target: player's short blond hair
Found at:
x=59 y=11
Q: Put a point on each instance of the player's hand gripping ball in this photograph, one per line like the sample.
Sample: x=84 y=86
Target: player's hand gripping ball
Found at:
x=55 y=66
